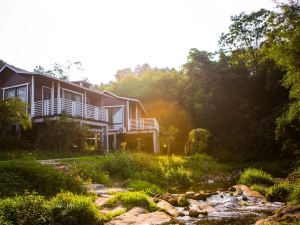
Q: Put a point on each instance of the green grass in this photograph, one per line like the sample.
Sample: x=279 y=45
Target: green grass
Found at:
x=132 y=199
x=294 y=198
x=252 y=176
x=259 y=188
x=279 y=192
x=148 y=188
x=18 y=176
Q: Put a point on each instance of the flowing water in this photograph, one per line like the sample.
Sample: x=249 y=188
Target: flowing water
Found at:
x=226 y=209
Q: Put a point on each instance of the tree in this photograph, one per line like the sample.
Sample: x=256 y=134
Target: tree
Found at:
x=284 y=47
x=12 y=112
x=61 y=71
x=2 y=64
x=197 y=141
x=169 y=137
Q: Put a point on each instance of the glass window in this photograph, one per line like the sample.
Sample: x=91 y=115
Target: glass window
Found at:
x=20 y=92
x=116 y=115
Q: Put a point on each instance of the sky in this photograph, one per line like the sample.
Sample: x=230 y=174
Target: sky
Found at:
x=109 y=35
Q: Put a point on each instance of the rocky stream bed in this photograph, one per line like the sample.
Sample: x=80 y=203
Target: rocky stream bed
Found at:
x=238 y=205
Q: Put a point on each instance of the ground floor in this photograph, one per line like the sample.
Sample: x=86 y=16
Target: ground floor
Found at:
x=146 y=141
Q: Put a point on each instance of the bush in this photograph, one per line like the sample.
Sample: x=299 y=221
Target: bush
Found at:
x=294 y=198
x=148 y=188
x=119 y=164
x=253 y=176
x=90 y=172
x=69 y=209
x=259 y=188
x=29 y=209
x=132 y=199
x=279 y=192
x=18 y=176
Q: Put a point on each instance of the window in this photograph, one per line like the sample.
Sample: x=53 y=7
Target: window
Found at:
x=116 y=115
x=72 y=96
x=20 y=92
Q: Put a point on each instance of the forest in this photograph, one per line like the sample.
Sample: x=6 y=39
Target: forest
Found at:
x=246 y=95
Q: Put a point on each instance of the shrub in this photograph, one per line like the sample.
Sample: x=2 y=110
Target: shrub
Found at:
x=294 y=198
x=259 y=188
x=18 y=176
x=132 y=199
x=253 y=176
x=119 y=164
x=279 y=192
x=69 y=209
x=29 y=209
x=90 y=172
x=148 y=188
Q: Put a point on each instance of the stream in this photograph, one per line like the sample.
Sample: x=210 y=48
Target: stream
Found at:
x=224 y=208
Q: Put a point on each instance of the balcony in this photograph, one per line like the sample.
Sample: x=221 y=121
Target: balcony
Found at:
x=58 y=106
x=143 y=124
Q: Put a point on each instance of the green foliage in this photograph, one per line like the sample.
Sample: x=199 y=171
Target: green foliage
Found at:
x=28 y=209
x=132 y=199
x=279 y=192
x=18 y=176
x=63 y=134
x=12 y=111
x=294 y=198
x=253 y=176
x=69 y=209
x=260 y=188
x=197 y=141
x=119 y=164
x=148 y=188
x=90 y=172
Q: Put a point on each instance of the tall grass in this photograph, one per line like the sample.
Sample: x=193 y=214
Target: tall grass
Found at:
x=18 y=176
x=252 y=176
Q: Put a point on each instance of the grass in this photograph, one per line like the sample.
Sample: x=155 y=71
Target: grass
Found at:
x=18 y=176
x=252 y=176
x=148 y=188
x=132 y=199
x=65 y=208
x=279 y=192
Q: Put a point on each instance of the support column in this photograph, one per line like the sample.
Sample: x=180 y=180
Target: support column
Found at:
x=58 y=99
x=115 y=141
x=52 y=98
x=32 y=97
x=155 y=143
x=105 y=140
x=96 y=141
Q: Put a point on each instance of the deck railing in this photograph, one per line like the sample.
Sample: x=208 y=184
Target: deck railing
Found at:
x=144 y=124
x=58 y=106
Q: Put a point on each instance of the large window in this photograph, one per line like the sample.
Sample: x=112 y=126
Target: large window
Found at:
x=20 y=92
x=116 y=115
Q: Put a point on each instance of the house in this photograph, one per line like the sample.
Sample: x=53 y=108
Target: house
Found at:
x=111 y=119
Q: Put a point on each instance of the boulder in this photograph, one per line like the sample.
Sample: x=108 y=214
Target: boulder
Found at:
x=101 y=201
x=232 y=189
x=246 y=190
x=194 y=213
x=139 y=216
x=287 y=215
x=190 y=194
x=168 y=208
x=182 y=201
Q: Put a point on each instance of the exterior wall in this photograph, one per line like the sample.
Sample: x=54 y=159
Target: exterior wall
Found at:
x=9 y=78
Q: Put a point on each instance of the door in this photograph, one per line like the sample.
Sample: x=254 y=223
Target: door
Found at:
x=46 y=101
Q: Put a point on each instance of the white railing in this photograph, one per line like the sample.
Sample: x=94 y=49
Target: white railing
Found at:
x=58 y=106
x=143 y=124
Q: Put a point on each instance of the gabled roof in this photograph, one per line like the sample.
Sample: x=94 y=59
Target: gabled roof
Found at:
x=21 y=71
x=124 y=98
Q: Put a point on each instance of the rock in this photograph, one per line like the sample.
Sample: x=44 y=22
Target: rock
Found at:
x=168 y=208
x=194 y=213
x=221 y=196
x=101 y=201
x=125 y=183
x=139 y=216
x=115 y=209
x=287 y=215
x=232 y=189
x=156 y=200
x=172 y=199
x=182 y=201
x=246 y=190
x=181 y=214
x=203 y=213
x=203 y=195
x=245 y=198
x=190 y=194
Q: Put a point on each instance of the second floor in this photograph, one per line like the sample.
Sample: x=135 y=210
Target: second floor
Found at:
x=48 y=97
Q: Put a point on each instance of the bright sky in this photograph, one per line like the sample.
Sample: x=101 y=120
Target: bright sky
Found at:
x=108 y=35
